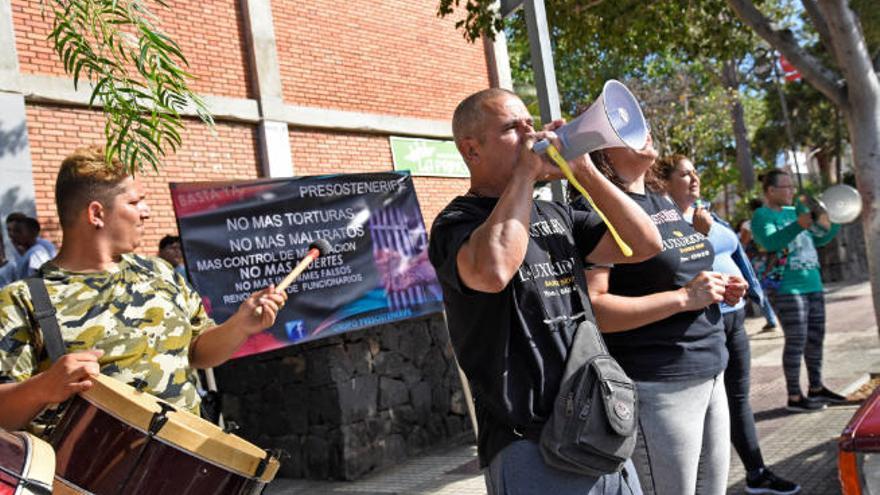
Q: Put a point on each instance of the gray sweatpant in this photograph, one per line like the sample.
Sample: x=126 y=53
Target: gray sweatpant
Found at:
x=684 y=437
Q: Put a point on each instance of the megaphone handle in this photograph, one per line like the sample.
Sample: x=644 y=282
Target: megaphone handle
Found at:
x=540 y=147
x=553 y=153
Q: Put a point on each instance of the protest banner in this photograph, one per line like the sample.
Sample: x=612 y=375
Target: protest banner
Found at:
x=239 y=237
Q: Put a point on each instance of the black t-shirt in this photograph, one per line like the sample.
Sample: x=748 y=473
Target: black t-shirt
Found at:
x=512 y=345
x=685 y=345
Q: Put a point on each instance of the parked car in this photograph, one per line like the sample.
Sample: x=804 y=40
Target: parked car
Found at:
x=858 y=450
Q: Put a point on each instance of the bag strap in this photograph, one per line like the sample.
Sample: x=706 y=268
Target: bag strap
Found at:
x=44 y=311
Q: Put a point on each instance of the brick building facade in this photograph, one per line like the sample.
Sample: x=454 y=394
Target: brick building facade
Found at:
x=344 y=79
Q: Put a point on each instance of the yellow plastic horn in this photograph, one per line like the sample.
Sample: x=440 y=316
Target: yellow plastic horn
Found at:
x=554 y=155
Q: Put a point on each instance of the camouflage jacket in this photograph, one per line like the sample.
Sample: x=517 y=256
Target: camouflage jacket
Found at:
x=143 y=315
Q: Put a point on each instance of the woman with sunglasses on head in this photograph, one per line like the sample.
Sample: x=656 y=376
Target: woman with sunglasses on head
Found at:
x=661 y=321
x=677 y=176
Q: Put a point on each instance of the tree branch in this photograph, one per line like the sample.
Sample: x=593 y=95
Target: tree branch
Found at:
x=821 y=77
x=138 y=75
x=849 y=47
x=820 y=25
x=588 y=5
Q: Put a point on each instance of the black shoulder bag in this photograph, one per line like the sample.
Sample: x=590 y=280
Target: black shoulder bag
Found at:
x=592 y=429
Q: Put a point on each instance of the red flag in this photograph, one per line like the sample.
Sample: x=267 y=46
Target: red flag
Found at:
x=790 y=73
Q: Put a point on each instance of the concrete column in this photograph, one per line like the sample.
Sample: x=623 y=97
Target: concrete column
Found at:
x=8 y=56
x=498 y=61
x=17 y=185
x=274 y=140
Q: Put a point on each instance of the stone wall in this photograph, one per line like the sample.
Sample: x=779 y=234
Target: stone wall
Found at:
x=347 y=405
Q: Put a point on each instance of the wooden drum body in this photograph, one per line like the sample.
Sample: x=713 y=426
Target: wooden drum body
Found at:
x=114 y=440
x=26 y=464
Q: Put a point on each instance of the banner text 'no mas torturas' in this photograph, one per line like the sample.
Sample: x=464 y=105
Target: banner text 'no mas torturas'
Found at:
x=239 y=237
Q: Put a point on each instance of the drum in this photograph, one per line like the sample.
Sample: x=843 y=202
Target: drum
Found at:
x=113 y=439
x=26 y=464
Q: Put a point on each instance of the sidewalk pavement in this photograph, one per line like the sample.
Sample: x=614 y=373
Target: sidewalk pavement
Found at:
x=800 y=447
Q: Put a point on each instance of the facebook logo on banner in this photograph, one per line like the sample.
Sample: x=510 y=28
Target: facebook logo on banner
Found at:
x=296 y=330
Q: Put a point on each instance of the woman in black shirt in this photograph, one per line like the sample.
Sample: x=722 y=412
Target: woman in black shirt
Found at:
x=661 y=321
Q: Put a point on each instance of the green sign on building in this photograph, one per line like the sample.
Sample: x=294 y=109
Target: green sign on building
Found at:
x=427 y=157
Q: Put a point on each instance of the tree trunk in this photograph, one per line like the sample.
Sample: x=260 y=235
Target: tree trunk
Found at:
x=859 y=100
x=863 y=121
x=862 y=113
x=740 y=133
x=823 y=160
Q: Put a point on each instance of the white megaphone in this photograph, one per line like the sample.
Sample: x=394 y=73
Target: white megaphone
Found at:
x=612 y=121
x=842 y=202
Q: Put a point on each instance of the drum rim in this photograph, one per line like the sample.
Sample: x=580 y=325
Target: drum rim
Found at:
x=26 y=467
x=236 y=464
x=72 y=485
x=31 y=445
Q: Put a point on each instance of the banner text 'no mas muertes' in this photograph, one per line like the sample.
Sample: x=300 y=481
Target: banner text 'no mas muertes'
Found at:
x=239 y=237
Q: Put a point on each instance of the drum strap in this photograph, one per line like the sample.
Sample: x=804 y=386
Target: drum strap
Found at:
x=261 y=467
x=44 y=311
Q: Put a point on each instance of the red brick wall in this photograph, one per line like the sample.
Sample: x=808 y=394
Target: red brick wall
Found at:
x=54 y=131
x=435 y=193
x=316 y=153
x=388 y=57
x=208 y=32
x=321 y=152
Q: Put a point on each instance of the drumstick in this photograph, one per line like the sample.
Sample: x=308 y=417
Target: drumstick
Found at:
x=317 y=248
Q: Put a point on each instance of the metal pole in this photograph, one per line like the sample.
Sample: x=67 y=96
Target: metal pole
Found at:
x=545 y=74
x=838 y=175
x=787 y=122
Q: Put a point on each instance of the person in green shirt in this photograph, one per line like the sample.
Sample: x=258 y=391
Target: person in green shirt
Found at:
x=799 y=301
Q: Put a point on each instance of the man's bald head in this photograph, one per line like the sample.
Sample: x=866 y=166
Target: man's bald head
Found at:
x=468 y=121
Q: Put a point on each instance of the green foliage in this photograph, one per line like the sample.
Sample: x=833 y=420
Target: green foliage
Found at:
x=869 y=17
x=668 y=52
x=714 y=179
x=137 y=72
x=686 y=108
x=480 y=18
x=812 y=116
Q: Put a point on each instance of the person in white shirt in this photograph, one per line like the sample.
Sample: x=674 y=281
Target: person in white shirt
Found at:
x=7 y=266
x=24 y=232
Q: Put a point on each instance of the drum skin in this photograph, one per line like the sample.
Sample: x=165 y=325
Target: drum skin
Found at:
x=97 y=452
